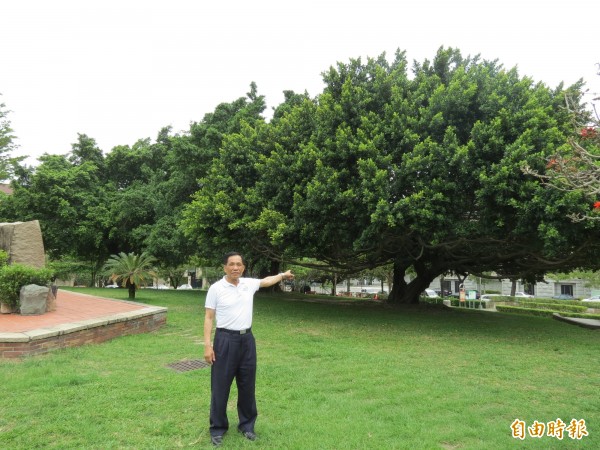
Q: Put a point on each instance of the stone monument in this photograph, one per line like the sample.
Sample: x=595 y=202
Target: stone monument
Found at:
x=23 y=243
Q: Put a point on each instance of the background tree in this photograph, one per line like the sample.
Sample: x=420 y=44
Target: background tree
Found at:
x=8 y=164
x=385 y=274
x=130 y=270
x=174 y=275
x=68 y=195
x=576 y=168
x=217 y=216
x=592 y=279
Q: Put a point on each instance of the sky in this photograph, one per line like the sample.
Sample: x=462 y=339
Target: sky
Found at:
x=120 y=70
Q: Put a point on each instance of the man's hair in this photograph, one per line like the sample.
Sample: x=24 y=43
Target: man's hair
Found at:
x=227 y=255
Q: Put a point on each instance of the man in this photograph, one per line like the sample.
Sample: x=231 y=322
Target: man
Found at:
x=233 y=353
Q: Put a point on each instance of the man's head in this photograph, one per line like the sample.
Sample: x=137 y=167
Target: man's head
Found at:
x=233 y=265
x=226 y=257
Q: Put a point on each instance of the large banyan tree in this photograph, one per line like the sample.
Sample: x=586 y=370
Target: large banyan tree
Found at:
x=422 y=168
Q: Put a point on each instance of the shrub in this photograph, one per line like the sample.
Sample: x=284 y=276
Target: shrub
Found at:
x=522 y=310
x=502 y=298
x=430 y=300
x=554 y=306
x=3 y=258
x=549 y=300
x=478 y=304
x=591 y=304
x=15 y=276
x=581 y=315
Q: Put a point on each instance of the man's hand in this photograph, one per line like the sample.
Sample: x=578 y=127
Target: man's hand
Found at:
x=209 y=318
x=209 y=354
x=288 y=275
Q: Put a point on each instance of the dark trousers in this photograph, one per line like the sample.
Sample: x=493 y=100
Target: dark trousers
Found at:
x=235 y=357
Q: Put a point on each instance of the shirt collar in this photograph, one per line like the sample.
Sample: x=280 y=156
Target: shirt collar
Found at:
x=227 y=283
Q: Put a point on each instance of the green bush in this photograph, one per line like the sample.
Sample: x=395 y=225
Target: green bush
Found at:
x=15 y=276
x=591 y=304
x=431 y=300
x=554 y=306
x=581 y=315
x=522 y=310
x=502 y=298
x=549 y=300
x=478 y=304
x=3 y=258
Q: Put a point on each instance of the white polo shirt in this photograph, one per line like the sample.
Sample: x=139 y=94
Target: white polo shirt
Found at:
x=232 y=304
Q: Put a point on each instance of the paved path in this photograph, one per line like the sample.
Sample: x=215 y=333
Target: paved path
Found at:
x=70 y=307
x=586 y=323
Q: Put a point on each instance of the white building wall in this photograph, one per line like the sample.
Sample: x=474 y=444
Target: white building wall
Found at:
x=544 y=289
x=480 y=284
x=549 y=288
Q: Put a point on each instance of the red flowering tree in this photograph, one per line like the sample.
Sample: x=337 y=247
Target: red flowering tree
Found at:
x=577 y=168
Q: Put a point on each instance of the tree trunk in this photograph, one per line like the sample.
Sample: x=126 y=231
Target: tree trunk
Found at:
x=273 y=270
x=131 y=290
x=334 y=285
x=513 y=287
x=442 y=287
x=408 y=293
x=398 y=286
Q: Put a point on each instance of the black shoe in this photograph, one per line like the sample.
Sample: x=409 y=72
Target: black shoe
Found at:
x=216 y=440
x=250 y=435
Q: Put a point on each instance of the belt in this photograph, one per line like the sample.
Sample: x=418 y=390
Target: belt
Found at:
x=225 y=330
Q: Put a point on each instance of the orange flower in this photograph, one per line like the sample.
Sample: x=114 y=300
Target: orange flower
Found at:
x=596 y=205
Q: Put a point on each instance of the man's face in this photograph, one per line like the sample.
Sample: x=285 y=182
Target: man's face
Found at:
x=234 y=268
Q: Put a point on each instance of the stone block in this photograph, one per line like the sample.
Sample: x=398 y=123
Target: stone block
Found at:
x=23 y=242
x=33 y=299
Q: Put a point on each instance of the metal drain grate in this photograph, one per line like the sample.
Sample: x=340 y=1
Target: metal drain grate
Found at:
x=187 y=365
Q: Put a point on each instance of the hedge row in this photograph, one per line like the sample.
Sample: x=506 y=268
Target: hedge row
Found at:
x=547 y=301
x=554 y=306
x=581 y=315
x=544 y=312
x=522 y=310
x=453 y=302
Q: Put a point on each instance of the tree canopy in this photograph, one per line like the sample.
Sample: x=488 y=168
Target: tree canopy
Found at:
x=576 y=168
x=422 y=171
x=418 y=169
x=130 y=270
x=8 y=163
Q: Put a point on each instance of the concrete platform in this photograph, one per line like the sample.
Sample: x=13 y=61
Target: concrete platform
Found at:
x=79 y=319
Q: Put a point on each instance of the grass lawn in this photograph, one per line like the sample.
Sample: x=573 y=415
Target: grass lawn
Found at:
x=330 y=376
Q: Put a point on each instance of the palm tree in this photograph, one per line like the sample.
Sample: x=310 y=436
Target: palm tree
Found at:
x=130 y=270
